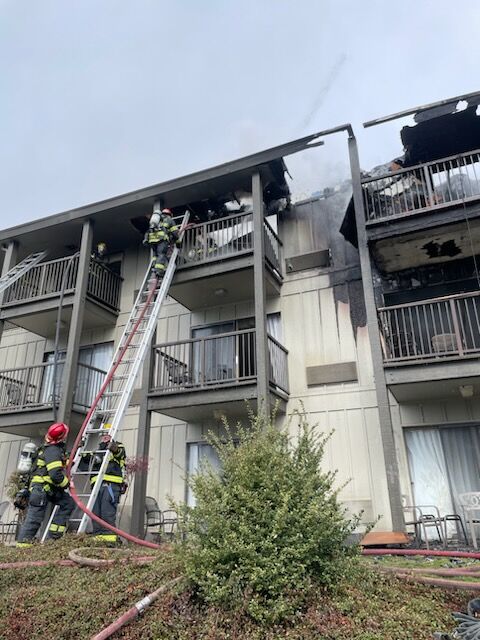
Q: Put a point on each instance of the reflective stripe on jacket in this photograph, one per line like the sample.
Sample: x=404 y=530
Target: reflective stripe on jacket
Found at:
x=166 y=230
x=49 y=467
x=115 y=471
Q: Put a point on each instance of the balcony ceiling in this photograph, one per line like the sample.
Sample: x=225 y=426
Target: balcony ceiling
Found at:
x=439 y=245
x=434 y=389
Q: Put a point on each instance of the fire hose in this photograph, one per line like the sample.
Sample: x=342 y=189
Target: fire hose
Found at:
x=138 y=608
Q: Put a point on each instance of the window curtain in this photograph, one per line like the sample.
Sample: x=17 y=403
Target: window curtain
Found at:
x=219 y=353
x=444 y=462
x=428 y=472
x=198 y=454
x=88 y=381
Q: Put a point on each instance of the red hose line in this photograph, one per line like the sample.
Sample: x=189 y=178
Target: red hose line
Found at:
x=133 y=612
x=78 y=502
x=420 y=552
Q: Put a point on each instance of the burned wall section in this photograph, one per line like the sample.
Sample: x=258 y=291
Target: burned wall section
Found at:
x=313 y=225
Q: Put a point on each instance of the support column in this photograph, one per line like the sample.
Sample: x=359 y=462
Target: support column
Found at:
x=143 y=446
x=76 y=325
x=9 y=262
x=261 y=345
x=385 y=417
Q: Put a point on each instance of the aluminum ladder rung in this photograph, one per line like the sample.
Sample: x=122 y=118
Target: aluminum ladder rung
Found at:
x=143 y=316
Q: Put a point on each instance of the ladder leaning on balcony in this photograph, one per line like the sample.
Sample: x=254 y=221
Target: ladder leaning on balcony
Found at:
x=21 y=269
x=108 y=408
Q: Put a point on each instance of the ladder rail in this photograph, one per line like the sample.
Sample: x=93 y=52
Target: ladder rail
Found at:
x=20 y=269
x=130 y=331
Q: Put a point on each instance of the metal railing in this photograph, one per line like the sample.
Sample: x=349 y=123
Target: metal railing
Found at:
x=42 y=280
x=212 y=361
x=278 y=369
x=104 y=284
x=47 y=278
x=440 y=327
x=217 y=239
x=273 y=246
x=224 y=238
x=431 y=185
x=32 y=387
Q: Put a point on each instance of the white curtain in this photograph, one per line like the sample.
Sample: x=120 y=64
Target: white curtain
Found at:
x=444 y=462
x=428 y=471
x=198 y=453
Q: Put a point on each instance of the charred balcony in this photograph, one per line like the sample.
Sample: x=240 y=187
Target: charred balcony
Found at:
x=433 y=193
x=32 y=302
x=215 y=263
x=192 y=379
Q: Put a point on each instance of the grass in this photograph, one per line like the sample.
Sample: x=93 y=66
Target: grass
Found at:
x=74 y=604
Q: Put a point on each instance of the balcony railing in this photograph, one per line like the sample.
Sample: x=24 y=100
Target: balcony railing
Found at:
x=432 y=185
x=436 y=328
x=48 y=278
x=213 y=361
x=28 y=388
x=225 y=238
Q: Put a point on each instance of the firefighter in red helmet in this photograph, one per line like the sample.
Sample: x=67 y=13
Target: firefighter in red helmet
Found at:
x=161 y=235
x=48 y=483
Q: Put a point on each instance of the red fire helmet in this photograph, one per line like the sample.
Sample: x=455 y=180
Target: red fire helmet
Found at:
x=57 y=432
x=167 y=212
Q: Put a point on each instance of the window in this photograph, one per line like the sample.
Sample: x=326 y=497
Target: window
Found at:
x=93 y=362
x=196 y=454
x=232 y=357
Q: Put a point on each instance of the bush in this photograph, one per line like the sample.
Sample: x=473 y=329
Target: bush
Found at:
x=269 y=529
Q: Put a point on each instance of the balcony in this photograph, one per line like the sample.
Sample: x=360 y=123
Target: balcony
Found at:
x=32 y=301
x=432 y=187
x=429 y=342
x=192 y=379
x=215 y=264
x=27 y=396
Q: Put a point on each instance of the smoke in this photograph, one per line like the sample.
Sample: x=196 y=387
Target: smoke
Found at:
x=322 y=94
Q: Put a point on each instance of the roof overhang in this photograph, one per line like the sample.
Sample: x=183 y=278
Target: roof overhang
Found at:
x=112 y=217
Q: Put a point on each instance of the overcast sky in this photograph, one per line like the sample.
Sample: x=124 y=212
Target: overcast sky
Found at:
x=100 y=97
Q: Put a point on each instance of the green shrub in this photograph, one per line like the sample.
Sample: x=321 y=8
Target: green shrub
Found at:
x=269 y=529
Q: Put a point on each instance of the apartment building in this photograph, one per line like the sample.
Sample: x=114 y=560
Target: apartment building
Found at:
x=266 y=306
x=416 y=223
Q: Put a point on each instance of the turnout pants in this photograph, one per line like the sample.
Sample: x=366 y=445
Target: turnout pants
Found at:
x=105 y=508
x=37 y=506
x=160 y=261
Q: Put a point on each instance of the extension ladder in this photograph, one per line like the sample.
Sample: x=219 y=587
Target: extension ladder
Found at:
x=106 y=413
x=20 y=269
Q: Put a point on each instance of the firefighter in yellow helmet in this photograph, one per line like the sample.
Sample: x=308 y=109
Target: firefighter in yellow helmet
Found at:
x=113 y=484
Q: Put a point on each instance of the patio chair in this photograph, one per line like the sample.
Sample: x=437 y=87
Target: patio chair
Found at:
x=7 y=529
x=177 y=371
x=169 y=524
x=425 y=517
x=153 y=516
x=470 y=504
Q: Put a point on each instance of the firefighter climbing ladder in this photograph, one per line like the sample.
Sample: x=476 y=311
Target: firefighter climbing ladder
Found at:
x=20 y=269
x=107 y=411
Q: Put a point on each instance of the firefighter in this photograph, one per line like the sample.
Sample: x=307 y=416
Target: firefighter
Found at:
x=49 y=483
x=162 y=233
x=113 y=486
